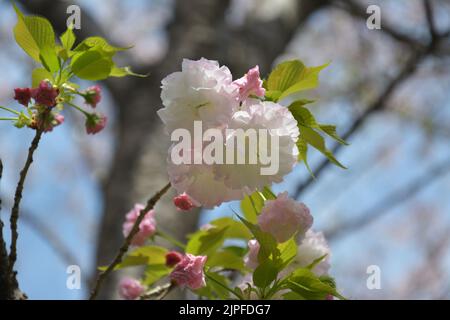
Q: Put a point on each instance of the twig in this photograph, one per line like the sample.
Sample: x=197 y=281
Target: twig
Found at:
x=18 y=197
x=391 y=201
x=4 y=275
x=430 y=19
x=126 y=244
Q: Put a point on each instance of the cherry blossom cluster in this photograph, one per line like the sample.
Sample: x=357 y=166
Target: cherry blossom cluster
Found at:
x=44 y=103
x=204 y=91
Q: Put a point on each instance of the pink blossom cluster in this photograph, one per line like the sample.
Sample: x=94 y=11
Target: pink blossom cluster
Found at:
x=205 y=91
x=44 y=98
x=146 y=228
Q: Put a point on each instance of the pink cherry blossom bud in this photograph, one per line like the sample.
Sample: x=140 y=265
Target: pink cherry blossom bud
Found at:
x=95 y=123
x=130 y=289
x=189 y=272
x=45 y=94
x=92 y=96
x=250 y=84
x=22 y=95
x=172 y=258
x=47 y=121
x=184 y=202
x=284 y=217
x=59 y=118
x=251 y=259
x=147 y=227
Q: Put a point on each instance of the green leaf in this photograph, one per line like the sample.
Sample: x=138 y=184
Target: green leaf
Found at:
x=205 y=242
x=91 y=65
x=38 y=75
x=155 y=272
x=92 y=42
x=33 y=34
x=226 y=259
x=268 y=245
x=234 y=229
x=318 y=142
x=302 y=115
x=285 y=75
x=124 y=71
x=49 y=59
x=302 y=147
x=308 y=285
x=68 y=39
x=268 y=193
x=288 y=251
x=265 y=274
x=249 y=210
x=291 y=295
x=147 y=255
x=216 y=285
x=252 y=205
x=316 y=262
x=309 y=80
x=306 y=118
x=331 y=131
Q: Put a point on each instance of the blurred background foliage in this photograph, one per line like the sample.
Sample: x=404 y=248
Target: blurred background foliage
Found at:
x=387 y=90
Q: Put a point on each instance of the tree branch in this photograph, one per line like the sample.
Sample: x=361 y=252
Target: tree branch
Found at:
x=378 y=105
x=126 y=244
x=17 y=198
x=358 y=11
x=430 y=19
x=391 y=201
x=4 y=275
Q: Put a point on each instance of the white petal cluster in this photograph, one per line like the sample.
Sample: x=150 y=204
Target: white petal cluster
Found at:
x=204 y=91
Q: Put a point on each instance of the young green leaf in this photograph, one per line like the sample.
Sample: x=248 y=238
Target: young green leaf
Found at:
x=91 y=65
x=205 y=242
x=49 y=59
x=265 y=274
x=285 y=75
x=92 y=42
x=68 y=39
x=147 y=255
x=309 y=80
x=268 y=245
x=318 y=142
x=154 y=272
x=225 y=259
x=124 y=71
x=40 y=74
x=33 y=34
x=302 y=147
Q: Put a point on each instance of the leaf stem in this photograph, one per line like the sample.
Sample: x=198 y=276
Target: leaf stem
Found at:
x=12 y=119
x=126 y=244
x=77 y=108
x=10 y=110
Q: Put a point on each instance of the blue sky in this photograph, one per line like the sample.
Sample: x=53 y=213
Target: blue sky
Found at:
x=64 y=192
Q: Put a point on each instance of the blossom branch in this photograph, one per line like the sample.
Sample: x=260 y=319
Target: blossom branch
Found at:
x=17 y=198
x=126 y=244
